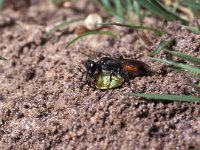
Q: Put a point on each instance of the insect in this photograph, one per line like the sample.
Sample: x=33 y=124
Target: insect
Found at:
x=126 y=68
x=105 y=81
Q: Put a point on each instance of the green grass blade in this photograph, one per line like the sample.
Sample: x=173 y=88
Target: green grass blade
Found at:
x=108 y=7
x=106 y=4
x=163 y=7
x=90 y=33
x=119 y=9
x=1 y=4
x=192 y=4
x=180 y=65
x=156 y=8
x=129 y=5
x=57 y=2
x=138 y=12
x=2 y=58
x=184 y=21
x=133 y=27
x=162 y=45
x=195 y=30
x=62 y=25
x=185 y=56
x=187 y=73
x=181 y=98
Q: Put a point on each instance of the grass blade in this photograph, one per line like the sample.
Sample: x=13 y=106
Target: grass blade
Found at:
x=163 y=7
x=192 y=4
x=185 y=56
x=162 y=45
x=119 y=9
x=180 y=65
x=133 y=27
x=195 y=30
x=156 y=8
x=62 y=25
x=128 y=5
x=138 y=12
x=182 y=98
x=1 y=4
x=57 y=2
x=189 y=74
x=106 y=5
x=109 y=8
x=90 y=33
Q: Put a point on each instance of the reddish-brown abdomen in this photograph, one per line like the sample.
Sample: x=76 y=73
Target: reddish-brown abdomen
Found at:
x=130 y=68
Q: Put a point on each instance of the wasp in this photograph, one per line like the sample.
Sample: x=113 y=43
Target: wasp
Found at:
x=126 y=68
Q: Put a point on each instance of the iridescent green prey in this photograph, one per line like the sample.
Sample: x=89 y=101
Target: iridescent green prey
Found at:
x=105 y=80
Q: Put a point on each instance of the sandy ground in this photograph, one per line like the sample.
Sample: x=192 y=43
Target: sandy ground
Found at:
x=43 y=104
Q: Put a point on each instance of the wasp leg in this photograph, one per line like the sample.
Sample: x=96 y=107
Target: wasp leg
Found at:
x=80 y=69
x=88 y=80
x=121 y=57
x=111 y=74
x=127 y=79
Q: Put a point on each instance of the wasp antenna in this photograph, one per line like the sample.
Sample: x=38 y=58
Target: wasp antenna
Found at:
x=88 y=55
x=80 y=68
x=120 y=57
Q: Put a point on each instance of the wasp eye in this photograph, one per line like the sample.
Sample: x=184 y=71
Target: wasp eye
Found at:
x=91 y=66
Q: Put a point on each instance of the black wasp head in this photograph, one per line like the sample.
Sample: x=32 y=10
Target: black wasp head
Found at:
x=91 y=67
